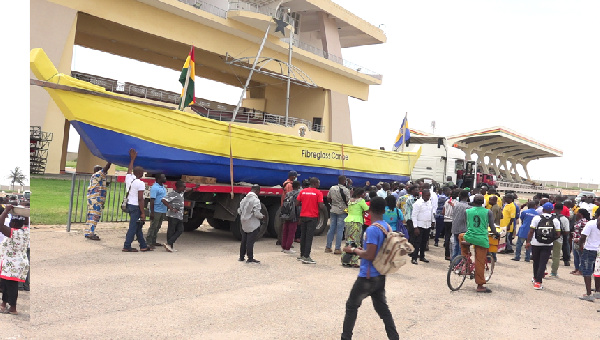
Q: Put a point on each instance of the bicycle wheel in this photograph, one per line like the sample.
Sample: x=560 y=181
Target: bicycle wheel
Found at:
x=457 y=273
x=490 y=263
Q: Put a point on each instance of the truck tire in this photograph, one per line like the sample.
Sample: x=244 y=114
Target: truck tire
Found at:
x=218 y=223
x=273 y=213
x=322 y=224
x=193 y=223
x=236 y=226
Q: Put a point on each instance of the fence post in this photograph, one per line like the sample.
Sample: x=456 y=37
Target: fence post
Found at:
x=71 y=203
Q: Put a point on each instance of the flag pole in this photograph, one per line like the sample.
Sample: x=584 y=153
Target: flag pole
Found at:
x=251 y=72
x=404 y=132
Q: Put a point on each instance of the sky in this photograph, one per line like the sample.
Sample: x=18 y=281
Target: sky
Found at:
x=530 y=66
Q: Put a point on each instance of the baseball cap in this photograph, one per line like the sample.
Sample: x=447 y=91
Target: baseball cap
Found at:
x=548 y=206
x=293 y=173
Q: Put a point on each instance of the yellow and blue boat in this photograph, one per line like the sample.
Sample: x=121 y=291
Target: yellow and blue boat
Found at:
x=182 y=143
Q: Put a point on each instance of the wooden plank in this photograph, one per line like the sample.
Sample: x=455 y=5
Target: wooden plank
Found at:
x=199 y=179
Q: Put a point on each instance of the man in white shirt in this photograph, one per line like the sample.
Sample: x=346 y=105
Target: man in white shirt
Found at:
x=590 y=238
x=557 y=245
x=541 y=244
x=135 y=205
x=423 y=219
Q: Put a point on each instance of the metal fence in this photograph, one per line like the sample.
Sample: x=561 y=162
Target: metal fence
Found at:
x=115 y=191
x=205 y=6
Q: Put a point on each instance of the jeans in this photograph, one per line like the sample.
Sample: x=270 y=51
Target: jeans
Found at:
x=576 y=255
x=336 y=228
x=247 y=245
x=135 y=229
x=439 y=228
x=566 y=249
x=155 y=227
x=455 y=246
x=375 y=288
x=540 y=256
x=520 y=242
x=309 y=224
x=174 y=230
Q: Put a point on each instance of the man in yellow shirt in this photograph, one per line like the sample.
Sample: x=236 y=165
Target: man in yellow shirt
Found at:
x=509 y=213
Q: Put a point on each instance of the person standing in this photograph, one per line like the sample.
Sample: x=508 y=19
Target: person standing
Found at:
x=173 y=201
x=581 y=217
x=459 y=221
x=135 y=205
x=369 y=281
x=526 y=218
x=447 y=212
x=439 y=214
x=557 y=245
x=354 y=222
x=311 y=200
x=406 y=203
x=96 y=196
x=287 y=187
x=158 y=210
x=289 y=225
x=495 y=208
x=478 y=219
x=509 y=213
x=540 y=251
x=423 y=219
x=338 y=197
x=250 y=217
x=590 y=238
x=14 y=262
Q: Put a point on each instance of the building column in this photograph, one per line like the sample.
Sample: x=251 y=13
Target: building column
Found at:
x=513 y=170
x=484 y=166
x=524 y=165
x=504 y=161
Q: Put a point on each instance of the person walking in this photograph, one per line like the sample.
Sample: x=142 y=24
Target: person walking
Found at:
x=557 y=245
x=96 y=196
x=311 y=200
x=135 y=205
x=354 y=222
x=250 y=217
x=526 y=218
x=173 y=201
x=459 y=221
x=590 y=238
x=541 y=244
x=14 y=263
x=478 y=219
x=423 y=219
x=291 y=223
x=338 y=197
x=158 y=210
x=369 y=281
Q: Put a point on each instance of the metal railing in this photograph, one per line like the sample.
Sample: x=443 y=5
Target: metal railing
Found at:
x=266 y=10
x=204 y=6
x=339 y=60
x=115 y=191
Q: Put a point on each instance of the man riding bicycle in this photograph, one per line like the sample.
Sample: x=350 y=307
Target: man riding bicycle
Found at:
x=478 y=220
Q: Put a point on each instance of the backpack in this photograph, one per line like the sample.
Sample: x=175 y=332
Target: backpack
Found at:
x=545 y=232
x=288 y=208
x=393 y=252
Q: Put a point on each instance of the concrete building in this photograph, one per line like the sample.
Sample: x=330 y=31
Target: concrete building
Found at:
x=160 y=32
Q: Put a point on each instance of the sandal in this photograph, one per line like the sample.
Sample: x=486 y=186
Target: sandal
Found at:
x=93 y=237
x=129 y=250
x=487 y=290
x=146 y=249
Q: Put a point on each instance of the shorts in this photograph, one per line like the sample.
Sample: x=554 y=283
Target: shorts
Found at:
x=597 y=271
x=588 y=260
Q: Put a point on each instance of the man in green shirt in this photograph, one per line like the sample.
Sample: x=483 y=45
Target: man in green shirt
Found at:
x=478 y=220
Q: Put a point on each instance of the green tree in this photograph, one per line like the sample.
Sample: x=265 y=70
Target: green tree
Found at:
x=16 y=175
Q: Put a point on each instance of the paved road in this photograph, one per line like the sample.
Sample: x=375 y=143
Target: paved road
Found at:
x=86 y=289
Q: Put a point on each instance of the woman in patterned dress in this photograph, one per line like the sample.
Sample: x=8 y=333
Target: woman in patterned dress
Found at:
x=96 y=196
x=354 y=222
x=15 y=264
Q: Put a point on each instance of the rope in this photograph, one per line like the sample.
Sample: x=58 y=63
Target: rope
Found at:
x=230 y=162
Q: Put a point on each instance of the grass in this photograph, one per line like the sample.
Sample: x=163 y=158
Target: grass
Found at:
x=50 y=203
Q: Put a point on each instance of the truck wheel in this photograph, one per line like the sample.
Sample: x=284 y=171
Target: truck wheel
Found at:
x=193 y=223
x=273 y=213
x=236 y=226
x=322 y=224
x=218 y=223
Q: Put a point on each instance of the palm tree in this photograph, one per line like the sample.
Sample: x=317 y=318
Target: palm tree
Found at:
x=16 y=175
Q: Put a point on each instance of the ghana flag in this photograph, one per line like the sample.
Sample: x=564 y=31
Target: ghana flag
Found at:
x=187 y=81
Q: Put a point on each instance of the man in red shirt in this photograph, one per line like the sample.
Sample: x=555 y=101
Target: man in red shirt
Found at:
x=312 y=201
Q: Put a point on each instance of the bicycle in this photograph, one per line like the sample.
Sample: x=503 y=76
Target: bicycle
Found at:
x=461 y=267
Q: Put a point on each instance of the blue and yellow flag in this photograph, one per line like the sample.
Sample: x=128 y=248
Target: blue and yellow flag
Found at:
x=403 y=134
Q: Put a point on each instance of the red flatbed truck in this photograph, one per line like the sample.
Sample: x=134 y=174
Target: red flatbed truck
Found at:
x=216 y=204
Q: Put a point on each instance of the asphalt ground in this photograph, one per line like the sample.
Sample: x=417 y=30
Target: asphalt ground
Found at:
x=85 y=289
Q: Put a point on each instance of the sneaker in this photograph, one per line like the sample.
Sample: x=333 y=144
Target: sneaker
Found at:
x=241 y=259
x=538 y=286
x=253 y=261
x=515 y=259
x=328 y=250
x=554 y=275
x=289 y=251
x=338 y=252
x=596 y=295
x=300 y=258
x=308 y=260
x=168 y=248
x=533 y=280
x=589 y=298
